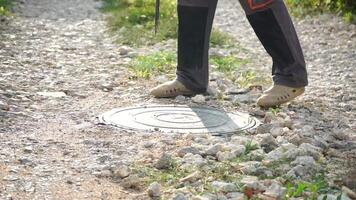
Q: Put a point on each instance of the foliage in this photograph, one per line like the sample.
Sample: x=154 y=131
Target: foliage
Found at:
x=133 y=20
x=165 y=63
x=156 y=63
x=346 y=7
x=313 y=189
x=5 y=6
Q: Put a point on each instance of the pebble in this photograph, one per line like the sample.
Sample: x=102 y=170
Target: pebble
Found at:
x=223 y=186
x=182 y=152
x=122 y=171
x=132 y=181
x=198 y=99
x=179 y=196
x=154 y=189
x=164 y=162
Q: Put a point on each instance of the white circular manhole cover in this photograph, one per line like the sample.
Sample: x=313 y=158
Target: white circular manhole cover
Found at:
x=181 y=119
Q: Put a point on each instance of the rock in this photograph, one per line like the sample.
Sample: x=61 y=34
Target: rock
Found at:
x=242 y=98
x=333 y=197
x=235 y=196
x=275 y=191
x=268 y=143
x=185 y=150
x=132 y=181
x=104 y=173
x=121 y=171
x=310 y=150
x=257 y=155
x=180 y=98
x=264 y=128
x=223 y=186
x=154 y=189
x=165 y=162
x=190 y=160
x=238 y=150
x=179 y=196
x=124 y=50
x=241 y=140
x=249 y=167
x=276 y=131
x=191 y=177
x=10 y=178
x=225 y=155
x=213 y=150
x=198 y=99
x=52 y=94
x=308 y=131
x=348 y=192
x=306 y=161
x=275 y=155
x=28 y=150
x=236 y=91
x=350 y=179
x=149 y=144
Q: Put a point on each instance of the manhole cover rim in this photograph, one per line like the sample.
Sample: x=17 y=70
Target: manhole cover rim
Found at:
x=252 y=121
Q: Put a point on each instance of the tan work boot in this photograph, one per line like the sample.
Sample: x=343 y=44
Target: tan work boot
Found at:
x=279 y=94
x=171 y=89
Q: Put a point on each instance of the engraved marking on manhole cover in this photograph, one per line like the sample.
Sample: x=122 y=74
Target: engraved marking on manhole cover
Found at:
x=182 y=119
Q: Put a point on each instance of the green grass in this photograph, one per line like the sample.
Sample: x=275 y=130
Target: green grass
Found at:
x=347 y=8
x=5 y=6
x=153 y=64
x=133 y=22
x=165 y=63
x=313 y=189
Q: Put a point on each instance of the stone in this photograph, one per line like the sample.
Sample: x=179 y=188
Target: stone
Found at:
x=28 y=149
x=307 y=161
x=274 y=155
x=198 y=99
x=180 y=98
x=264 y=128
x=242 y=98
x=308 y=131
x=190 y=160
x=213 y=150
x=132 y=181
x=333 y=197
x=249 y=167
x=122 y=171
x=223 y=186
x=276 y=131
x=164 y=162
x=10 y=178
x=238 y=150
x=185 y=150
x=235 y=196
x=154 y=190
x=225 y=155
x=124 y=50
x=275 y=191
x=310 y=150
x=268 y=143
x=257 y=155
x=179 y=196
x=52 y=94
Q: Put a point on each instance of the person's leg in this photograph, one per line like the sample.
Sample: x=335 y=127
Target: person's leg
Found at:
x=274 y=28
x=195 y=19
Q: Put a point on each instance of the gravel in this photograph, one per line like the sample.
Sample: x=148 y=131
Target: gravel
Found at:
x=60 y=69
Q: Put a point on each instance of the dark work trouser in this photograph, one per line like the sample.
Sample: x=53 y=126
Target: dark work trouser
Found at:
x=271 y=23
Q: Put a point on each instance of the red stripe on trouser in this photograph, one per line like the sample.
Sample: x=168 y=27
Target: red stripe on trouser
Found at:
x=258 y=6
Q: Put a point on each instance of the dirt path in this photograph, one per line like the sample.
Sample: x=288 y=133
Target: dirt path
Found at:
x=52 y=148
